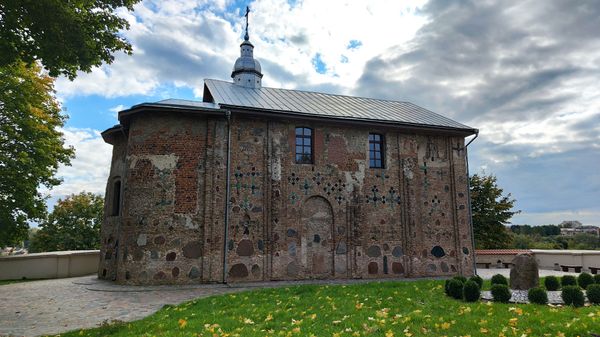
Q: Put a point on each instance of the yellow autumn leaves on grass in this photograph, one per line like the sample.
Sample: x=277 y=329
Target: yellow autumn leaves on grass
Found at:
x=368 y=310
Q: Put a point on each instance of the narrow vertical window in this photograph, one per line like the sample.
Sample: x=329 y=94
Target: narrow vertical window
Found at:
x=376 y=150
x=304 y=145
x=116 y=198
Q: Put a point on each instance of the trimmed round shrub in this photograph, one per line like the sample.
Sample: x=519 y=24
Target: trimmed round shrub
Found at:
x=572 y=295
x=446 y=287
x=461 y=279
x=551 y=283
x=501 y=293
x=537 y=295
x=471 y=291
x=593 y=293
x=455 y=289
x=584 y=280
x=499 y=279
x=477 y=279
x=568 y=280
x=597 y=278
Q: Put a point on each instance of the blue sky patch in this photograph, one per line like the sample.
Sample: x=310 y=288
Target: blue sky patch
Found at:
x=293 y=3
x=318 y=64
x=94 y=111
x=354 y=44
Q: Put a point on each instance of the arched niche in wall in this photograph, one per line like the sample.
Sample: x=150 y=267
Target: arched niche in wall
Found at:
x=317 y=233
x=115 y=197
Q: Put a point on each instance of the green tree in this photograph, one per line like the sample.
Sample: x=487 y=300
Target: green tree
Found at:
x=521 y=241
x=73 y=224
x=65 y=36
x=31 y=147
x=584 y=241
x=491 y=212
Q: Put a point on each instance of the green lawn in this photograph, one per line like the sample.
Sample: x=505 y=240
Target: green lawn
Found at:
x=406 y=309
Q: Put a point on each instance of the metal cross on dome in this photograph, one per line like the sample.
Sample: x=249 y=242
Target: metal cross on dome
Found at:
x=247 y=37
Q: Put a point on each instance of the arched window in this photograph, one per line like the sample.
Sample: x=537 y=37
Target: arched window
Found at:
x=376 y=150
x=116 y=198
x=304 y=145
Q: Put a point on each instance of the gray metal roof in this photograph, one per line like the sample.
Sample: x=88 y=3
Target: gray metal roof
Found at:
x=187 y=103
x=327 y=105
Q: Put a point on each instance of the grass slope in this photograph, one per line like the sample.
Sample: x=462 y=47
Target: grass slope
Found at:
x=387 y=309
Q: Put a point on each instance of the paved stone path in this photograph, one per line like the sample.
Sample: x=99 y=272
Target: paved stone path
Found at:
x=59 y=305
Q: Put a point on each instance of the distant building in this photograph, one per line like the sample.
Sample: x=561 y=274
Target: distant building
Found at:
x=581 y=229
x=570 y=224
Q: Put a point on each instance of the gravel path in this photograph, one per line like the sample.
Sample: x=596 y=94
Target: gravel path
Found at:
x=520 y=296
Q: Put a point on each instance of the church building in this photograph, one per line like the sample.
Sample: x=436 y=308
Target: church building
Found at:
x=259 y=184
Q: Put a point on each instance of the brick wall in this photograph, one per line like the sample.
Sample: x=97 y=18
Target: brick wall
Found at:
x=335 y=218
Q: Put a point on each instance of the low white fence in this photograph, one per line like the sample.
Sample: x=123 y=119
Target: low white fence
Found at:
x=49 y=265
x=553 y=259
x=546 y=258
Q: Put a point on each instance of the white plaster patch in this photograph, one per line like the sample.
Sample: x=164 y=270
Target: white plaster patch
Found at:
x=161 y=162
x=189 y=223
x=186 y=221
x=303 y=251
x=358 y=176
x=276 y=162
x=142 y=240
x=320 y=215
x=407 y=167
x=276 y=169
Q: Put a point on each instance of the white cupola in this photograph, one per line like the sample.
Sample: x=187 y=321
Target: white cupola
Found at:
x=247 y=71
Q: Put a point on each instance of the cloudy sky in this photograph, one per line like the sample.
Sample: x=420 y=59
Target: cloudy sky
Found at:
x=526 y=73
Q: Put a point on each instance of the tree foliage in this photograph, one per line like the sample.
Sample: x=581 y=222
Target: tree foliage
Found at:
x=544 y=230
x=73 y=224
x=31 y=147
x=584 y=241
x=536 y=241
x=491 y=212
x=65 y=36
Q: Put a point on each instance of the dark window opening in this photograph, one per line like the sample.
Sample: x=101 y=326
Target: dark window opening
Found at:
x=304 y=145
x=116 y=199
x=376 y=151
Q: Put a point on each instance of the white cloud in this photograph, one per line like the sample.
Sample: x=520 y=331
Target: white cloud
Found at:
x=327 y=28
x=115 y=110
x=182 y=42
x=90 y=167
x=123 y=77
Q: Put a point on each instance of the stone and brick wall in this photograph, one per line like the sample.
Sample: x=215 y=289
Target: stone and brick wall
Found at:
x=335 y=218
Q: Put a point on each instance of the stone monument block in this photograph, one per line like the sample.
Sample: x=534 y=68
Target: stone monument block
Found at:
x=524 y=273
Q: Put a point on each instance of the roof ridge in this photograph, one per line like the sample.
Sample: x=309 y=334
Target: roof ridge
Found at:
x=323 y=93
